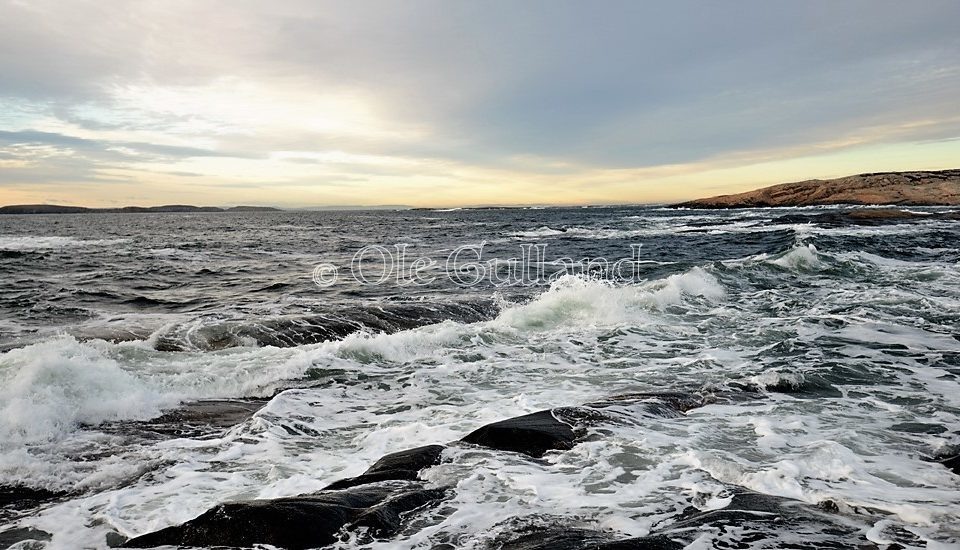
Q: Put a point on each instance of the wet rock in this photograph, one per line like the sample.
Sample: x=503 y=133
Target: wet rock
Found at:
x=919 y=428
x=749 y=520
x=17 y=501
x=220 y=413
x=194 y=419
x=663 y=404
x=953 y=463
x=384 y=519
x=753 y=519
x=949 y=458
x=582 y=539
x=653 y=542
x=306 y=521
x=532 y=434
x=743 y=508
x=20 y=534
x=403 y=465
x=18 y=496
x=559 y=429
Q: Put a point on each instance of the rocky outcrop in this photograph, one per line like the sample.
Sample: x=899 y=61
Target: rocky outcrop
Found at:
x=532 y=434
x=749 y=520
x=557 y=538
x=940 y=188
x=390 y=489
x=18 y=495
x=403 y=465
x=295 y=523
x=952 y=463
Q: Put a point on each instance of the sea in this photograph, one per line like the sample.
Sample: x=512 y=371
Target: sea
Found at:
x=155 y=365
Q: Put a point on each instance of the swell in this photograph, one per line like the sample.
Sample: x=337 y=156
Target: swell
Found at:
x=301 y=330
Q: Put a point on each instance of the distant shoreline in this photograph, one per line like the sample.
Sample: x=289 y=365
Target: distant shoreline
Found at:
x=904 y=189
x=57 y=209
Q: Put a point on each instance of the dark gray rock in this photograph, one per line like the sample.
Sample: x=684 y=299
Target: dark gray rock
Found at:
x=385 y=519
x=663 y=404
x=949 y=457
x=401 y=465
x=583 y=539
x=18 y=496
x=307 y=521
x=17 y=500
x=194 y=419
x=953 y=463
x=19 y=534
x=754 y=519
x=532 y=434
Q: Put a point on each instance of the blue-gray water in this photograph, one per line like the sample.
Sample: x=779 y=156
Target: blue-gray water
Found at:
x=849 y=332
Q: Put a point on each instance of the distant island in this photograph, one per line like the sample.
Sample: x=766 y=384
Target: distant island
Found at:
x=57 y=209
x=924 y=188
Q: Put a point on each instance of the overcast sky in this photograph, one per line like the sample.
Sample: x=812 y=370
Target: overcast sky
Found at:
x=442 y=103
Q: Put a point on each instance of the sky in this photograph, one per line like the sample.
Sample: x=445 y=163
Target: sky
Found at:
x=455 y=103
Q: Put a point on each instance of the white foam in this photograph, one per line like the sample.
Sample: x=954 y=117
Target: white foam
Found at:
x=799 y=257
x=49 y=388
x=581 y=301
x=654 y=227
x=34 y=242
x=543 y=231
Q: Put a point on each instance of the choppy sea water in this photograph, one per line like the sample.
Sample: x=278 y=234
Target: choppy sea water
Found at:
x=842 y=338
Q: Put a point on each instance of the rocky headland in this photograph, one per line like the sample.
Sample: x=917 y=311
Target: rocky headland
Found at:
x=925 y=188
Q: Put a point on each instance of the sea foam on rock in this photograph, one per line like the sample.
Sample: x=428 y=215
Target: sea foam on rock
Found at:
x=749 y=519
x=375 y=504
x=379 y=498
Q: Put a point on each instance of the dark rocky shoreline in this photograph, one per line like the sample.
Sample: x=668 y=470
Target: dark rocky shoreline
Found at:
x=390 y=498
x=379 y=503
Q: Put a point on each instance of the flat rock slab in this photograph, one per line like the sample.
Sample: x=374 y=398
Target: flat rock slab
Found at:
x=16 y=500
x=583 y=539
x=295 y=523
x=748 y=520
x=18 y=495
x=194 y=419
x=755 y=519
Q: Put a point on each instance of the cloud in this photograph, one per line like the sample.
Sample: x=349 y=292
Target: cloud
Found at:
x=113 y=149
x=245 y=93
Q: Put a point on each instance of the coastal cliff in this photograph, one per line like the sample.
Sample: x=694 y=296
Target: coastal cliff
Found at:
x=926 y=188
